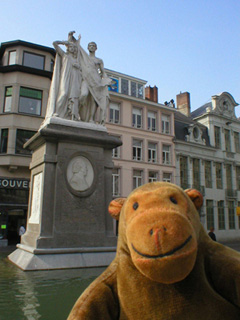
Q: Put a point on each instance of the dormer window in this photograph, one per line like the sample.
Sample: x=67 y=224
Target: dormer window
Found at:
x=12 y=58
x=33 y=60
x=196 y=133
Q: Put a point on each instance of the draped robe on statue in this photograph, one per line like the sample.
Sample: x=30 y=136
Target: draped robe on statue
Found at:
x=69 y=81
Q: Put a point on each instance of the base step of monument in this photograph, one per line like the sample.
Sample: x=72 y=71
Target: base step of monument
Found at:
x=28 y=260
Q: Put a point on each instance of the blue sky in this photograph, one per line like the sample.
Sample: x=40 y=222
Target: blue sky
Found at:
x=177 y=45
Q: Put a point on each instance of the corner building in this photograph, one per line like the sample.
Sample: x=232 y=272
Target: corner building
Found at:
x=25 y=77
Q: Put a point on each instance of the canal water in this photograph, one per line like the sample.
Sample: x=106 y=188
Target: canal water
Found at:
x=46 y=295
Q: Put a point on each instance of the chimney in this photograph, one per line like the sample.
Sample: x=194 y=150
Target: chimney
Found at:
x=151 y=93
x=183 y=103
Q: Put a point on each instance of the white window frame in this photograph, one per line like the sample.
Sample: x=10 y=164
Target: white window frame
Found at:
x=137 y=118
x=116 y=153
x=166 y=154
x=137 y=150
x=167 y=179
x=114 y=108
x=12 y=57
x=8 y=99
x=116 y=182
x=152 y=152
x=165 y=123
x=152 y=117
x=153 y=178
x=137 y=178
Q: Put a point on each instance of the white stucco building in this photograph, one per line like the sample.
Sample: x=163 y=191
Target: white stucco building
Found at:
x=208 y=158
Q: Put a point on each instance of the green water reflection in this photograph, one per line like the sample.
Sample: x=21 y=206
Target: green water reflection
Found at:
x=46 y=295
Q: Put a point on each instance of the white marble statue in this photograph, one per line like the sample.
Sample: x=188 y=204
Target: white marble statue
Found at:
x=79 y=84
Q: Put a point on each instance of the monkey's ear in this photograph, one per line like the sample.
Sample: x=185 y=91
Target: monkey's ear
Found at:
x=196 y=197
x=115 y=207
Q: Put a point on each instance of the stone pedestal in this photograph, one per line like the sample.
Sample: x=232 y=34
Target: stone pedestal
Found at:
x=71 y=181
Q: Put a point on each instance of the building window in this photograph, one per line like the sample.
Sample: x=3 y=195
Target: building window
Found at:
x=167 y=177
x=219 y=175
x=137 y=178
x=166 y=154
x=152 y=176
x=217 y=137
x=137 y=150
x=208 y=174
x=30 y=101
x=33 y=60
x=12 y=57
x=229 y=176
x=231 y=215
x=152 y=152
x=236 y=142
x=22 y=136
x=114 y=116
x=8 y=99
x=221 y=215
x=210 y=214
x=140 y=91
x=227 y=140
x=124 y=86
x=51 y=65
x=4 y=140
x=137 y=118
x=196 y=173
x=133 y=89
x=116 y=153
x=152 y=121
x=184 y=172
x=238 y=177
x=165 y=124
x=116 y=182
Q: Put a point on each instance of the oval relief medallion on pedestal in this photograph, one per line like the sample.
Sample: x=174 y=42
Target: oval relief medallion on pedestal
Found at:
x=80 y=174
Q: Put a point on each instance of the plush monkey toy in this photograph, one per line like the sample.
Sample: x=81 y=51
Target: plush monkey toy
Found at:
x=166 y=266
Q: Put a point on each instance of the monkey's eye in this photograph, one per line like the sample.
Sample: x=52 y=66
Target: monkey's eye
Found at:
x=135 y=205
x=173 y=200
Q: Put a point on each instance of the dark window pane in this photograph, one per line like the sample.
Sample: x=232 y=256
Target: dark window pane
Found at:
x=124 y=86
x=22 y=137
x=133 y=89
x=14 y=196
x=33 y=60
x=4 y=140
x=30 y=101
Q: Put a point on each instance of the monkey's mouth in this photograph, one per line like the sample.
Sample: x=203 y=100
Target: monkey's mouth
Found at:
x=162 y=255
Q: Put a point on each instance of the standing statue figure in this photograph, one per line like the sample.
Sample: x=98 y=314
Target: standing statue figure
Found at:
x=79 y=84
x=94 y=88
x=66 y=82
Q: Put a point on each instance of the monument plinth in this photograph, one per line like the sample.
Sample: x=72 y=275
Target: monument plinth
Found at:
x=71 y=170
x=71 y=176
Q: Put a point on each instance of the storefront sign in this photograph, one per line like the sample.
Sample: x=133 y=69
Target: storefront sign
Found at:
x=14 y=183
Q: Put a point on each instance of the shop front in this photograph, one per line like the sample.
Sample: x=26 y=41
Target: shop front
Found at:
x=13 y=208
